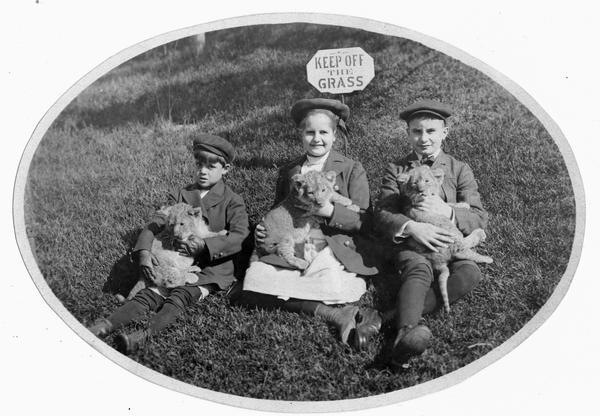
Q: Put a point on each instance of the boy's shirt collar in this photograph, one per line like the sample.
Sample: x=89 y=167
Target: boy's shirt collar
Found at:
x=434 y=157
x=193 y=195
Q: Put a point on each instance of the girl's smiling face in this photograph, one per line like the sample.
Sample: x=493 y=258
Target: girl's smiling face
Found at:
x=317 y=132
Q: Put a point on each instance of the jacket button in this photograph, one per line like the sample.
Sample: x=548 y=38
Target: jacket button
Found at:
x=221 y=254
x=346 y=243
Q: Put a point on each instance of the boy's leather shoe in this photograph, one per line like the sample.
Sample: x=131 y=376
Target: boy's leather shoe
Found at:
x=411 y=341
x=369 y=325
x=101 y=328
x=129 y=343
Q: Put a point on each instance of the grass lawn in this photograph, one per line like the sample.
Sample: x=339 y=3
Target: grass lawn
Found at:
x=109 y=159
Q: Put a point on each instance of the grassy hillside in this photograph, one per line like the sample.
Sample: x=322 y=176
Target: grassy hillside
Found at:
x=109 y=159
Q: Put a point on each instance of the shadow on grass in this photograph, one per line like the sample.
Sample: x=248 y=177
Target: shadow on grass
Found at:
x=124 y=272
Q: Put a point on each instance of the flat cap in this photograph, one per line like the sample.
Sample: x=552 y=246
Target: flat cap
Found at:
x=301 y=107
x=215 y=145
x=432 y=107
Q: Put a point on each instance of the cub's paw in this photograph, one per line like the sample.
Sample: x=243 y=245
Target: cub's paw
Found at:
x=300 y=264
x=460 y=205
x=480 y=234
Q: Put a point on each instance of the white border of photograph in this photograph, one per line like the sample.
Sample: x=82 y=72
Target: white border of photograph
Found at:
x=50 y=49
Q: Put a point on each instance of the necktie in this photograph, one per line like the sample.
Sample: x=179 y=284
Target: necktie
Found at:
x=428 y=160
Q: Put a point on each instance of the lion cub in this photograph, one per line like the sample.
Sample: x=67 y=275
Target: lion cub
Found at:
x=422 y=181
x=290 y=222
x=183 y=223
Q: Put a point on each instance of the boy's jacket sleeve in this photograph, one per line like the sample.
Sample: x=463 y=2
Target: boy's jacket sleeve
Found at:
x=237 y=227
x=388 y=219
x=469 y=219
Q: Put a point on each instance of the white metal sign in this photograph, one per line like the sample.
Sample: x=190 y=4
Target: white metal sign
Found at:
x=340 y=71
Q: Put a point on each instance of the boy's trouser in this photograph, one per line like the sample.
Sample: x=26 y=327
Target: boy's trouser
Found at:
x=146 y=300
x=416 y=295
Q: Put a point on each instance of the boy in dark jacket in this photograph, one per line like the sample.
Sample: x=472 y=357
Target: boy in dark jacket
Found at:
x=427 y=130
x=223 y=210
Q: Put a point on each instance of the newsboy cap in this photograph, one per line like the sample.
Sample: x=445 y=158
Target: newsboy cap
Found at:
x=431 y=107
x=215 y=145
x=302 y=107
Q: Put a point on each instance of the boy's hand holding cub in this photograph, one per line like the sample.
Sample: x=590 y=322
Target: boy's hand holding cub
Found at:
x=146 y=263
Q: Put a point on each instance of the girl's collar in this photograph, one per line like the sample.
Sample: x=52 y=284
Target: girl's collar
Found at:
x=316 y=160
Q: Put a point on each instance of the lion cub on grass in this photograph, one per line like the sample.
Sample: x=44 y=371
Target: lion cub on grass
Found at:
x=183 y=222
x=422 y=181
x=290 y=222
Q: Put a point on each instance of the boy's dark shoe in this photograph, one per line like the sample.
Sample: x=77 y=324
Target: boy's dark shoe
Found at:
x=368 y=325
x=411 y=341
x=101 y=328
x=129 y=343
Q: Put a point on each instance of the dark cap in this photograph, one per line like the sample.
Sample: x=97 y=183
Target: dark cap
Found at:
x=431 y=107
x=215 y=145
x=302 y=107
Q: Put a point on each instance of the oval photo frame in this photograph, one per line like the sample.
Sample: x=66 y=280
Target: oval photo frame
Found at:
x=22 y=225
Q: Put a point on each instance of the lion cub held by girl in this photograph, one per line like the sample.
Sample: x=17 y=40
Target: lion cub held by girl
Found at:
x=414 y=185
x=183 y=223
x=290 y=222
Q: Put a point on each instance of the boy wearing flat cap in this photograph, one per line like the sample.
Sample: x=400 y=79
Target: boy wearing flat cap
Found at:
x=426 y=130
x=223 y=210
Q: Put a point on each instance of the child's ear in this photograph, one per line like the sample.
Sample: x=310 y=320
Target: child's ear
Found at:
x=297 y=182
x=195 y=212
x=164 y=210
x=227 y=167
x=402 y=178
x=445 y=132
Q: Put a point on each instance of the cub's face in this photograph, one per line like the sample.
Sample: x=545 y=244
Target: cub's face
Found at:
x=313 y=188
x=182 y=220
x=420 y=182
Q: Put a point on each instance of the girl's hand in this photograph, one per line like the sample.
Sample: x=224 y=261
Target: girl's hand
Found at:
x=326 y=210
x=260 y=235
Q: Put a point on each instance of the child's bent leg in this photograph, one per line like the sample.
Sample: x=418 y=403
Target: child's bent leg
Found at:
x=417 y=275
x=464 y=276
x=178 y=301
x=144 y=301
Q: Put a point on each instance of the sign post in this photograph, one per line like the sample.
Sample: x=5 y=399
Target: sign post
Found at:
x=340 y=71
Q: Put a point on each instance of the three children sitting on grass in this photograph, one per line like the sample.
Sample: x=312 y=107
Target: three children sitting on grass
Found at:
x=341 y=260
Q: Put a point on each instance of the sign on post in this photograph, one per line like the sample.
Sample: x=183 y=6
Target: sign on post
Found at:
x=340 y=71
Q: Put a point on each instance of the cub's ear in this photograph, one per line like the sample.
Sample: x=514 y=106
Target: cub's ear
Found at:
x=297 y=182
x=165 y=210
x=402 y=178
x=438 y=174
x=195 y=212
x=330 y=176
